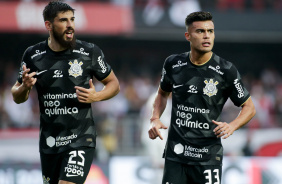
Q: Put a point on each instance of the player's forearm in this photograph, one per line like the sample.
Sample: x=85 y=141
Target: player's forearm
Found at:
x=246 y=114
x=110 y=90
x=159 y=104
x=20 y=93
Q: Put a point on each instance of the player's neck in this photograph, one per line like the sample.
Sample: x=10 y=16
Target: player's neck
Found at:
x=199 y=59
x=55 y=46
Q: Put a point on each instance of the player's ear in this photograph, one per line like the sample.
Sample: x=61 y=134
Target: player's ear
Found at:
x=187 y=36
x=48 y=25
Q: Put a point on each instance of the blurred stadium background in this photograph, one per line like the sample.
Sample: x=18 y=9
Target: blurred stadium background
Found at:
x=136 y=36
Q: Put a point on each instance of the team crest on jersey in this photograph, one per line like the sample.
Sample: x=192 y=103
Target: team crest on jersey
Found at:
x=210 y=88
x=75 y=69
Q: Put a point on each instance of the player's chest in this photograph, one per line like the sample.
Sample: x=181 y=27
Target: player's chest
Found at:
x=197 y=82
x=61 y=70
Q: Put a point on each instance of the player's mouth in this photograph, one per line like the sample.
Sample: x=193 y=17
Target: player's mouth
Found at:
x=69 y=33
x=206 y=44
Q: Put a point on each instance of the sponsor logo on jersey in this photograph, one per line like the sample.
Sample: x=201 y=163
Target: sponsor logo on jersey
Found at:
x=179 y=64
x=184 y=121
x=63 y=141
x=192 y=89
x=81 y=51
x=216 y=69
x=190 y=151
x=60 y=141
x=102 y=64
x=58 y=74
x=53 y=105
x=182 y=107
x=210 y=88
x=75 y=164
x=38 y=73
x=50 y=141
x=75 y=68
x=177 y=86
x=38 y=53
x=73 y=171
x=178 y=148
x=239 y=88
x=45 y=180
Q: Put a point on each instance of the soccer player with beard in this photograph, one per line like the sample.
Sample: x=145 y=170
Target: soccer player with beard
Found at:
x=62 y=68
x=200 y=83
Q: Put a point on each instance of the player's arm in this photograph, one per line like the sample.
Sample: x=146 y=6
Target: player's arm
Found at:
x=247 y=112
x=111 y=88
x=20 y=91
x=159 y=106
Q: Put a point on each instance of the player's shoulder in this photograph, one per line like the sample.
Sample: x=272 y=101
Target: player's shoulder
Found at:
x=41 y=46
x=35 y=50
x=86 y=45
x=177 y=57
x=223 y=63
x=86 y=48
x=224 y=67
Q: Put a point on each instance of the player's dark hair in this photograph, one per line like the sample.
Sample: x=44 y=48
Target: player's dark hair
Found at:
x=197 y=16
x=53 y=8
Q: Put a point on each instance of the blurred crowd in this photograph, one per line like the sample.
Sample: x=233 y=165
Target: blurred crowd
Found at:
x=223 y=5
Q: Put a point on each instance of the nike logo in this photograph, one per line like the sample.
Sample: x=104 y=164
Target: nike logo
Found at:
x=70 y=175
x=177 y=86
x=38 y=73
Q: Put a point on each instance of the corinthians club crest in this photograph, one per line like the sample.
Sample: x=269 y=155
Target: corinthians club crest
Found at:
x=75 y=69
x=210 y=88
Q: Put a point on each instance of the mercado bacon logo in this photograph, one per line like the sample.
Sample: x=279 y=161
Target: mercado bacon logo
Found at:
x=190 y=151
x=53 y=106
x=60 y=140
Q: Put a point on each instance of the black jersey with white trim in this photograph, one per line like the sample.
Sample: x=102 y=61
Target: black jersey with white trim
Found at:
x=199 y=93
x=64 y=121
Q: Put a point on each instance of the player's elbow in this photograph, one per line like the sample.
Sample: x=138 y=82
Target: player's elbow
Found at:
x=251 y=108
x=117 y=87
x=253 y=111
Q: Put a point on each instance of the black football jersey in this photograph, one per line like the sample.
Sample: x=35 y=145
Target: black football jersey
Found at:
x=199 y=93
x=64 y=121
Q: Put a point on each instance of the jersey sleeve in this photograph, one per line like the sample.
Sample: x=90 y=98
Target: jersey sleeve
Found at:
x=24 y=61
x=165 y=83
x=100 y=68
x=238 y=93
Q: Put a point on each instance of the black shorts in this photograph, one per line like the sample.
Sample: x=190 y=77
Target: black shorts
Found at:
x=178 y=173
x=72 y=165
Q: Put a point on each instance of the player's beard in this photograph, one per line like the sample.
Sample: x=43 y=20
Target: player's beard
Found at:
x=69 y=44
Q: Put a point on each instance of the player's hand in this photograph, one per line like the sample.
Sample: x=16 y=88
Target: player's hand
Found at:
x=223 y=129
x=154 y=131
x=85 y=95
x=28 y=80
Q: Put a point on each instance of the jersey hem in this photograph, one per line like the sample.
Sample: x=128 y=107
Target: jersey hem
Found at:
x=106 y=76
x=245 y=101
x=164 y=90
x=190 y=163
